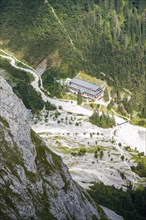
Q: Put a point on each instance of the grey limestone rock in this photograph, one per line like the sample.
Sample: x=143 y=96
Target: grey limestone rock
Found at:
x=34 y=182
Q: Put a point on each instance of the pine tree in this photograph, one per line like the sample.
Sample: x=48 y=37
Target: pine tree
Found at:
x=125 y=102
x=101 y=154
x=144 y=111
x=103 y=120
x=118 y=98
x=130 y=107
x=106 y=95
x=79 y=98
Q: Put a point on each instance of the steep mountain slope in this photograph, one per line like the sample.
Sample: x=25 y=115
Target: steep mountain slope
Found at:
x=93 y=36
x=34 y=182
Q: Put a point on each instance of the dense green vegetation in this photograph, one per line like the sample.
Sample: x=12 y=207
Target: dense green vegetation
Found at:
x=131 y=204
x=99 y=153
x=51 y=85
x=79 y=98
x=20 y=82
x=103 y=120
x=140 y=169
x=139 y=121
x=93 y=36
x=49 y=106
x=80 y=153
x=29 y=96
x=4 y=121
x=15 y=75
x=106 y=95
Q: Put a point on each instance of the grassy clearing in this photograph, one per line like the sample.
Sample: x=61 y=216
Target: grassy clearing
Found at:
x=109 y=88
x=90 y=79
x=114 y=154
x=94 y=106
x=69 y=96
x=138 y=159
x=130 y=150
x=141 y=186
x=138 y=121
x=94 y=148
x=20 y=64
x=140 y=168
x=4 y=121
x=65 y=150
x=68 y=141
x=89 y=106
x=61 y=149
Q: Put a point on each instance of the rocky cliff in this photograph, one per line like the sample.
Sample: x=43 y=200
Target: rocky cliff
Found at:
x=34 y=182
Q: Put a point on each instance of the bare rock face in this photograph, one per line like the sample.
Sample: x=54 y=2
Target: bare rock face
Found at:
x=34 y=182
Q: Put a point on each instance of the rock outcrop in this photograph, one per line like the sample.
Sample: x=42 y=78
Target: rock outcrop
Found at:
x=34 y=182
